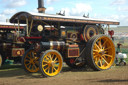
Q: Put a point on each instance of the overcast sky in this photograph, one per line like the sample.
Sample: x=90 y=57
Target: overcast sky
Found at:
x=103 y=9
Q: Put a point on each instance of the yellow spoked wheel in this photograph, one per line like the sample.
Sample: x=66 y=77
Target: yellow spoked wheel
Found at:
x=100 y=52
x=0 y=60
x=30 y=61
x=51 y=63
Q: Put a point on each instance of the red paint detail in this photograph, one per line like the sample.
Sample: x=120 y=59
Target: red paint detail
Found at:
x=81 y=37
x=21 y=39
x=111 y=33
x=33 y=37
x=72 y=61
x=15 y=52
x=10 y=27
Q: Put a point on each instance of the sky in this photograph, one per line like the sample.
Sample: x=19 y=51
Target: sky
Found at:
x=99 y=9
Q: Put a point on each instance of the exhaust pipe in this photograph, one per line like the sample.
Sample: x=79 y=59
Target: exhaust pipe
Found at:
x=41 y=8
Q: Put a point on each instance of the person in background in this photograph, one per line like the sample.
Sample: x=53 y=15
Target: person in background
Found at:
x=117 y=59
x=118 y=47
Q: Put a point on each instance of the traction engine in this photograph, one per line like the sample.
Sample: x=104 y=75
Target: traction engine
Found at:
x=54 y=39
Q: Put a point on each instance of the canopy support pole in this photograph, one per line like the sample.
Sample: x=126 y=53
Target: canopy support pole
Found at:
x=31 y=26
x=108 y=29
x=18 y=28
x=27 y=27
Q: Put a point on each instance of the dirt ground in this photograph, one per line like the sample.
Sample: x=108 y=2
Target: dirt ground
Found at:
x=17 y=76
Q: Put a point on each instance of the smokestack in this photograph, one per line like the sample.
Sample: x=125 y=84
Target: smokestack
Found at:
x=41 y=8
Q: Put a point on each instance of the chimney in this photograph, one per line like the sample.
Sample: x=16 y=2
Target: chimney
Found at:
x=41 y=8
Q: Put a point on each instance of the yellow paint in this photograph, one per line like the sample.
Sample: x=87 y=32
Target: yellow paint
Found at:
x=52 y=63
x=63 y=33
x=40 y=28
x=31 y=61
x=103 y=52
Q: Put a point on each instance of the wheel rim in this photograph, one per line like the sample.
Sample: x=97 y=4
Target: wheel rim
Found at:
x=31 y=61
x=103 y=52
x=52 y=63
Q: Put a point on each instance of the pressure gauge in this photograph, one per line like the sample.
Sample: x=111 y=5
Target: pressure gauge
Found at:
x=40 y=28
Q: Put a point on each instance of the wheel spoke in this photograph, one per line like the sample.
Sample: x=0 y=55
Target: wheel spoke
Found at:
x=27 y=60
x=105 y=52
x=44 y=65
x=32 y=66
x=55 y=59
x=107 y=48
x=27 y=57
x=54 y=68
x=101 y=64
x=95 y=56
x=46 y=68
x=104 y=57
x=50 y=57
x=108 y=55
x=46 y=58
x=45 y=61
x=56 y=65
x=97 y=46
x=100 y=44
x=104 y=43
x=105 y=60
x=96 y=51
x=49 y=69
x=29 y=66
x=96 y=60
x=35 y=66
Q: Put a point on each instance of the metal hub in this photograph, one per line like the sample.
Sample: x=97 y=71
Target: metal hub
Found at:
x=102 y=52
x=51 y=63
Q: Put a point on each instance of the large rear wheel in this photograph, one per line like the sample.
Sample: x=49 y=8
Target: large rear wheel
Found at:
x=100 y=52
x=51 y=63
x=30 y=61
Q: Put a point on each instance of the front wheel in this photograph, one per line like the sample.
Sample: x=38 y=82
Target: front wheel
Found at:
x=51 y=63
x=100 y=52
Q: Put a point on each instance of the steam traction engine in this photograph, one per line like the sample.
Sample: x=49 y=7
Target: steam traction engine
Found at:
x=10 y=45
x=52 y=39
